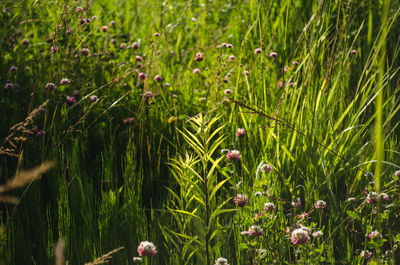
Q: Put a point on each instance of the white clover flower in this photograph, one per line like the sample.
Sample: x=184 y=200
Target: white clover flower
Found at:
x=317 y=234
x=221 y=261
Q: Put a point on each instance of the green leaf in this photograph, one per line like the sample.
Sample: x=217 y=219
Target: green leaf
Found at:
x=353 y=214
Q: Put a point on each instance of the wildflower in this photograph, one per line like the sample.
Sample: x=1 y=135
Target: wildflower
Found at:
x=352 y=52
x=258 y=51
x=296 y=202
x=65 y=81
x=241 y=200
x=142 y=76
x=94 y=17
x=374 y=234
x=13 y=69
x=224 y=151
x=372 y=197
x=76 y=94
x=258 y=216
x=257 y=194
x=113 y=23
x=351 y=199
x=295 y=63
x=244 y=233
x=246 y=72
x=266 y=168
x=156 y=34
x=221 y=261
x=148 y=95
x=320 y=204
x=79 y=9
x=384 y=196
x=230 y=46
x=199 y=57
x=300 y=236
x=9 y=86
x=146 y=248
x=317 y=234
x=397 y=173
x=53 y=49
x=240 y=133
x=273 y=55
x=122 y=45
x=269 y=207
x=158 y=78
x=231 y=58
x=285 y=68
x=85 y=51
x=129 y=121
x=366 y=254
x=137 y=259
x=233 y=155
x=202 y=99
x=228 y=91
x=70 y=101
x=369 y=174
x=104 y=28
x=93 y=98
x=196 y=71
x=302 y=216
x=25 y=42
x=139 y=58
x=135 y=45
x=255 y=231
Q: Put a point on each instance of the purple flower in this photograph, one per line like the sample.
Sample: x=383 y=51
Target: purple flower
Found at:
x=320 y=204
x=255 y=231
x=79 y=9
x=230 y=46
x=158 y=78
x=146 y=248
x=104 y=28
x=241 y=200
x=273 y=55
x=85 y=51
x=50 y=86
x=233 y=155
x=352 y=52
x=231 y=58
x=199 y=57
x=129 y=121
x=258 y=51
x=139 y=58
x=70 y=101
x=13 y=69
x=113 y=23
x=240 y=133
x=65 y=81
x=266 y=168
x=93 y=98
x=269 y=206
x=142 y=76
x=196 y=71
x=228 y=91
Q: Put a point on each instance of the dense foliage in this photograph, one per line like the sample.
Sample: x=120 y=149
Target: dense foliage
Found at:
x=200 y=132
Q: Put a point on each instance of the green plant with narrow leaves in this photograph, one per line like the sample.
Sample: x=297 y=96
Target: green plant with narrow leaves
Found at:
x=199 y=203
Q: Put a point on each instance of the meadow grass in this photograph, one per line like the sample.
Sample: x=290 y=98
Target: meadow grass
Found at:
x=134 y=106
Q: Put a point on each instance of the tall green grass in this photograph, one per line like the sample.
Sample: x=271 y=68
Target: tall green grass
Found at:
x=334 y=119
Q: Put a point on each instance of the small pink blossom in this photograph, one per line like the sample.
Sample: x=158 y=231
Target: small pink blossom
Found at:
x=146 y=248
x=233 y=155
x=240 y=133
x=241 y=200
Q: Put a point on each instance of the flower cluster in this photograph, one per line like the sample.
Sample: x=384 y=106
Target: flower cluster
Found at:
x=241 y=200
x=269 y=207
x=300 y=235
x=221 y=261
x=146 y=248
x=320 y=204
x=255 y=231
x=233 y=155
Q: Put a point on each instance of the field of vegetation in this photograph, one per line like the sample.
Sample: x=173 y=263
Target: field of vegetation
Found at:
x=199 y=132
